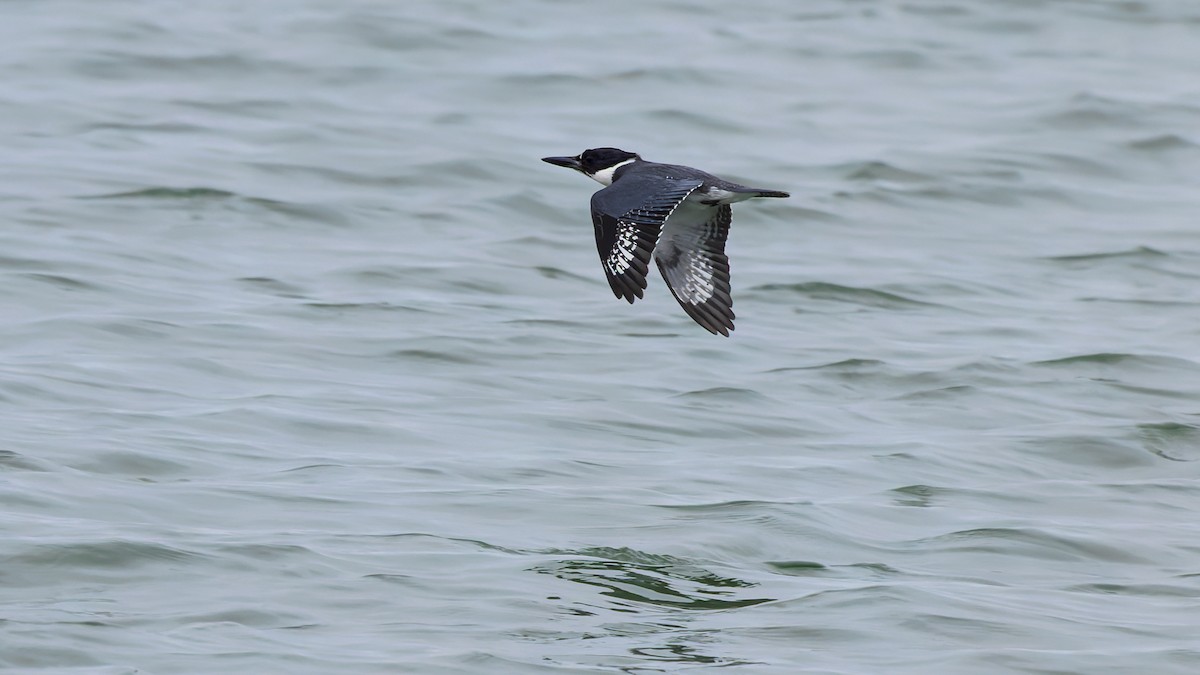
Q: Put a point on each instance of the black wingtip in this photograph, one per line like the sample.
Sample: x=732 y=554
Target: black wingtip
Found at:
x=623 y=293
x=722 y=328
x=710 y=316
x=717 y=328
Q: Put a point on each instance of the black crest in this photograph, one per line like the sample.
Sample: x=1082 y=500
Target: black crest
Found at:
x=599 y=159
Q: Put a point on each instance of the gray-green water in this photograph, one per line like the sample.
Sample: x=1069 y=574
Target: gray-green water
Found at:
x=307 y=363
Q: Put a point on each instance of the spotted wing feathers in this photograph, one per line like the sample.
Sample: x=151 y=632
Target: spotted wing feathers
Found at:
x=628 y=225
x=691 y=257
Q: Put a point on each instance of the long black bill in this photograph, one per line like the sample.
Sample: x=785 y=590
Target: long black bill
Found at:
x=569 y=162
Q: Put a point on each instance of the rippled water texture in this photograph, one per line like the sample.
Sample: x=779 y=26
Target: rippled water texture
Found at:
x=308 y=365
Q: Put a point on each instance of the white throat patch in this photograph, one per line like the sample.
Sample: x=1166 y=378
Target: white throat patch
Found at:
x=605 y=176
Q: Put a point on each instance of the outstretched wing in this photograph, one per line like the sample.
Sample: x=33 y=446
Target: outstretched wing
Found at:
x=691 y=257
x=628 y=216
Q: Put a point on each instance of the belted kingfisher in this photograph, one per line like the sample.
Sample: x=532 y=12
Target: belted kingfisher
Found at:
x=680 y=214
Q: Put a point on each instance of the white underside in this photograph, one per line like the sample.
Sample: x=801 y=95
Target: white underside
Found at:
x=719 y=195
x=605 y=176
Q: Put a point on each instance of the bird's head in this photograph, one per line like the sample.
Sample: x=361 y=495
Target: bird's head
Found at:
x=598 y=164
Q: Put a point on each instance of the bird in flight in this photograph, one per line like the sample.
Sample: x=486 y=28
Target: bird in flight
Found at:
x=679 y=214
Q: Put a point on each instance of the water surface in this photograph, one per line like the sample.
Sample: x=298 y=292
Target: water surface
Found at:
x=308 y=365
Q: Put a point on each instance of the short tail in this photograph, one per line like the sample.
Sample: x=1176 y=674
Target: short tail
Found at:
x=759 y=192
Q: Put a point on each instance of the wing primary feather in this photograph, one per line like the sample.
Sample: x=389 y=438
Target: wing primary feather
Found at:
x=691 y=257
x=628 y=225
